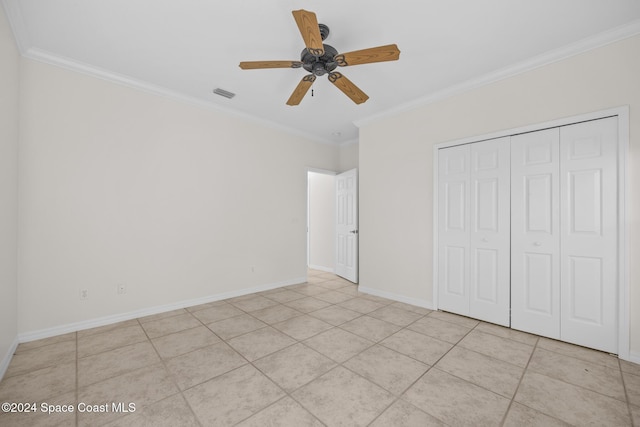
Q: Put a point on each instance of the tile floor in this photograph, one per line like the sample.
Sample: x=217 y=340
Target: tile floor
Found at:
x=317 y=354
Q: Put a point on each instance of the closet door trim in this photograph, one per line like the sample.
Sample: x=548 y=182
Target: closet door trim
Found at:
x=622 y=114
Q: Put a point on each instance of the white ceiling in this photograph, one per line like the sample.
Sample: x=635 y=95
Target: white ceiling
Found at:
x=186 y=48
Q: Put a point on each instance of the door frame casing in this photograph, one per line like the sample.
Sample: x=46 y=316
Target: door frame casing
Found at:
x=622 y=113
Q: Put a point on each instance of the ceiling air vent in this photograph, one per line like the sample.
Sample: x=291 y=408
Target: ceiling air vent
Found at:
x=224 y=93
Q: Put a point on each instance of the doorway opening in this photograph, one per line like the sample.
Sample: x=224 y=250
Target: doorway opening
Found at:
x=321 y=220
x=332 y=222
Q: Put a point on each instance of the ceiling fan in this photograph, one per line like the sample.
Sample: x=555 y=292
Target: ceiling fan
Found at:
x=319 y=59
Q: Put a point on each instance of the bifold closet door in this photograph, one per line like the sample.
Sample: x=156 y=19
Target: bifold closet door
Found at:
x=535 y=232
x=453 y=223
x=564 y=233
x=489 y=249
x=589 y=227
x=473 y=230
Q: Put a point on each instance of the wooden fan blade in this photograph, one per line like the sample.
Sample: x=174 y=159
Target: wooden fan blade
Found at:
x=389 y=52
x=255 y=65
x=308 y=26
x=349 y=89
x=301 y=90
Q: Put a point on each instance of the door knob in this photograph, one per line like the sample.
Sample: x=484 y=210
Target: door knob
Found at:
x=354 y=231
x=484 y=240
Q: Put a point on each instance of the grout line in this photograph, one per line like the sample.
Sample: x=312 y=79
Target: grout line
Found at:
x=590 y=390
x=515 y=392
x=626 y=393
x=168 y=373
x=337 y=364
x=522 y=377
x=395 y=399
x=399 y=396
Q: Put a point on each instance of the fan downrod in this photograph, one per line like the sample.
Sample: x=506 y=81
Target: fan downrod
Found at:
x=320 y=65
x=319 y=59
x=324 y=31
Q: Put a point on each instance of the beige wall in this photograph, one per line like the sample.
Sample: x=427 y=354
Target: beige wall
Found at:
x=9 y=66
x=396 y=158
x=348 y=156
x=174 y=201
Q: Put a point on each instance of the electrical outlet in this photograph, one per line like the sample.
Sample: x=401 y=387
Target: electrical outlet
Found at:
x=253 y=269
x=84 y=293
x=122 y=289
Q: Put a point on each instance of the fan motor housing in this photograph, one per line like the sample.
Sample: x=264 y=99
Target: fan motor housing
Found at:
x=319 y=65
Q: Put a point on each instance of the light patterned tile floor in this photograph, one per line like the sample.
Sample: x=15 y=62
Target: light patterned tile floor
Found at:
x=315 y=354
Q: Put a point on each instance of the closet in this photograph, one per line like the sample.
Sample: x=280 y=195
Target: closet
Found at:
x=528 y=232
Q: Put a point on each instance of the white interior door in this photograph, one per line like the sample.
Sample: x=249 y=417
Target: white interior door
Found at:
x=454 y=228
x=347 y=225
x=589 y=234
x=489 y=247
x=535 y=233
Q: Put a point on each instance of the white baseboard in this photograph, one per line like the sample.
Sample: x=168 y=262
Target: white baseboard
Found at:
x=396 y=297
x=322 y=268
x=108 y=320
x=634 y=357
x=4 y=364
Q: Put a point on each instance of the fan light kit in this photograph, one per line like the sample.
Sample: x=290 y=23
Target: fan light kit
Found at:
x=320 y=59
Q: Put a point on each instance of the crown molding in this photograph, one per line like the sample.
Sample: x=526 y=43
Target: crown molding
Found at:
x=16 y=22
x=97 y=72
x=23 y=42
x=18 y=27
x=590 y=43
